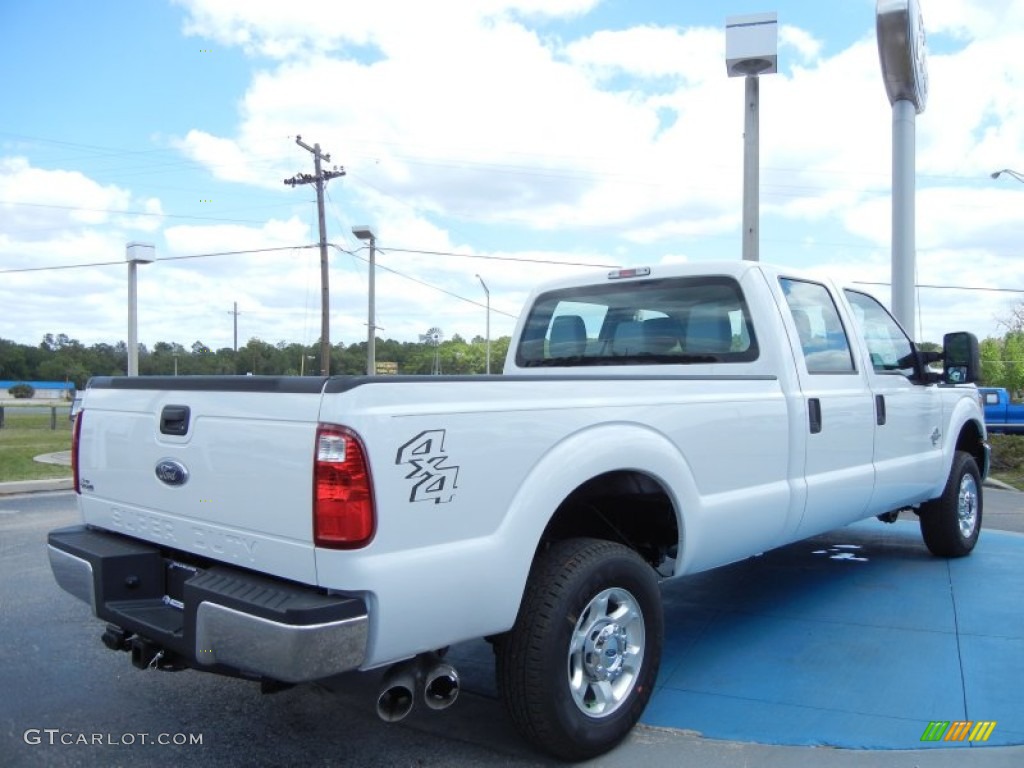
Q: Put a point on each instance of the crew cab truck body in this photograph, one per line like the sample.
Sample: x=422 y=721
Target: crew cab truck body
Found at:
x=650 y=423
x=1001 y=413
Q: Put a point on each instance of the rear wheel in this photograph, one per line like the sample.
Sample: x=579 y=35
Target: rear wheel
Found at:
x=951 y=523
x=579 y=666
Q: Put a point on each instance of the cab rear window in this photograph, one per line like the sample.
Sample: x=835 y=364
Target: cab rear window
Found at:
x=665 y=321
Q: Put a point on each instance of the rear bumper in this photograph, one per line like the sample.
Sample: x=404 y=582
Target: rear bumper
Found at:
x=218 y=618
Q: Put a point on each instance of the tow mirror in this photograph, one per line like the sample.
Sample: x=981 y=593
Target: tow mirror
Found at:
x=961 y=358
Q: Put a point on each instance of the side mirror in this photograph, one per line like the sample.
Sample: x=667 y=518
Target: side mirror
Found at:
x=961 y=358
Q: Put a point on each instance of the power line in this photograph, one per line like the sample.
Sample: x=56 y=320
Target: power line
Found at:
x=129 y=213
x=501 y=258
x=951 y=287
x=163 y=258
x=421 y=282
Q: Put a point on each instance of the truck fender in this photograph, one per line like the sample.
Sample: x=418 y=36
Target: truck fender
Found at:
x=962 y=419
x=575 y=460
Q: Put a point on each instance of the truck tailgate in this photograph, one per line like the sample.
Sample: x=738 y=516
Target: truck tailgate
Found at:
x=223 y=473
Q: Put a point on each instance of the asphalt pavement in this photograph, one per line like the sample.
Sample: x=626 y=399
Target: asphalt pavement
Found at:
x=837 y=651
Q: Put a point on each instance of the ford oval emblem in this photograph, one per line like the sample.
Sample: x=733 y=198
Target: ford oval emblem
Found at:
x=171 y=472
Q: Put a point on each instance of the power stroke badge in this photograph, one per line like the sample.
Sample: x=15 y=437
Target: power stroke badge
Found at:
x=433 y=479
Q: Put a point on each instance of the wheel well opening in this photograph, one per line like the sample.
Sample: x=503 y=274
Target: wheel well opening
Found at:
x=625 y=506
x=970 y=440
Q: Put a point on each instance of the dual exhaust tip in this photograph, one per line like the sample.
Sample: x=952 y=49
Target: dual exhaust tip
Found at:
x=426 y=676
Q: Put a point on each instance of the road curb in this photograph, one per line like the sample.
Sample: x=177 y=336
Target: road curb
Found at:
x=36 y=486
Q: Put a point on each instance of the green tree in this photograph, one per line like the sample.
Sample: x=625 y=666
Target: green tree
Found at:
x=992 y=368
x=14 y=363
x=1013 y=361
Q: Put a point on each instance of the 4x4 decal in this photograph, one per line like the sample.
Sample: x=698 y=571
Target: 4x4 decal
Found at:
x=432 y=479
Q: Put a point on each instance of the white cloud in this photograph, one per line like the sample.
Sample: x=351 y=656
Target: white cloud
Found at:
x=807 y=47
x=692 y=55
x=285 y=30
x=38 y=202
x=51 y=217
x=481 y=127
x=967 y=19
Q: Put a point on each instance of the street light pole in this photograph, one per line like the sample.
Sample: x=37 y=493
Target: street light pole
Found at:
x=1018 y=176
x=488 y=294
x=363 y=232
x=136 y=253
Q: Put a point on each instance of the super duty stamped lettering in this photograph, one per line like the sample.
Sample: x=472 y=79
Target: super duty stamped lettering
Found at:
x=432 y=479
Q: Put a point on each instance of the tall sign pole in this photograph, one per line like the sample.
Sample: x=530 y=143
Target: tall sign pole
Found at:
x=751 y=49
x=903 y=56
x=319 y=178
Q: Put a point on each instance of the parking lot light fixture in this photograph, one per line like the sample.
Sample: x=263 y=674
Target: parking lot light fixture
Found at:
x=1018 y=176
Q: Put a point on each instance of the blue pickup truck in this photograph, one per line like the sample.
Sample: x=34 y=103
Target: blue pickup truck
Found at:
x=1001 y=414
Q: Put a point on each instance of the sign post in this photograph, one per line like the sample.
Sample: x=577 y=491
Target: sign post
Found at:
x=903 y=56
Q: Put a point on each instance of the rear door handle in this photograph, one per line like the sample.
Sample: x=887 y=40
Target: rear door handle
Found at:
x=880 y=409
x=814 y=414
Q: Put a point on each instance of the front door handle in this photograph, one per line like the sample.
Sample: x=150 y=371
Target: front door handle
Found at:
x=880 y=409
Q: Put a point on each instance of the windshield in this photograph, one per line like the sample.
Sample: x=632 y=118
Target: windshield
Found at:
x=668 y=321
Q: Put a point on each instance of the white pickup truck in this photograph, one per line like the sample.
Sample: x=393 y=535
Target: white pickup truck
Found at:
x=649 y=424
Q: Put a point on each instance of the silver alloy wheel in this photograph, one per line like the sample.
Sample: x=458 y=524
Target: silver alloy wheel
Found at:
x=606 y=652
x=967 y=505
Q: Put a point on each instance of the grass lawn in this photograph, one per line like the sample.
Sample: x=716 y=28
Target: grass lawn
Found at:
x=26 y=435
x=1016 y=479
x=1008 y=459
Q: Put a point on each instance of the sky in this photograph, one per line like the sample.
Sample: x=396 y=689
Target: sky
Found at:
x=502 y=141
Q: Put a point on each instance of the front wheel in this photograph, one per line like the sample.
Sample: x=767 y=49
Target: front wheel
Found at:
x=579 y=666
x=951 y=523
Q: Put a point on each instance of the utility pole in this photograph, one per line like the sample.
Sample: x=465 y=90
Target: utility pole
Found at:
x=319 y=178
x=236 y=313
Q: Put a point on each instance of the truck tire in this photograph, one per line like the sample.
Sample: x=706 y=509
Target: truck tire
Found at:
x=951 y=523
x=577 y=669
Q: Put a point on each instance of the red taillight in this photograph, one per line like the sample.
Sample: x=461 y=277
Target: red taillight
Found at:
x=75 y=438
x=343 y=516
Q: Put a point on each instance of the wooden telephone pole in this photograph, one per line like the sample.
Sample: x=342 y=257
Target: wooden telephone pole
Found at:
x=318 y=178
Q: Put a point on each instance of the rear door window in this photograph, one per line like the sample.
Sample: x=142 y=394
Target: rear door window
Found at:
x=823 y=339
x=666 y=321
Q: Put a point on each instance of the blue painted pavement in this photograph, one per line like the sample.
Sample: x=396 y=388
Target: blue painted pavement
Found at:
x=858 y=639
